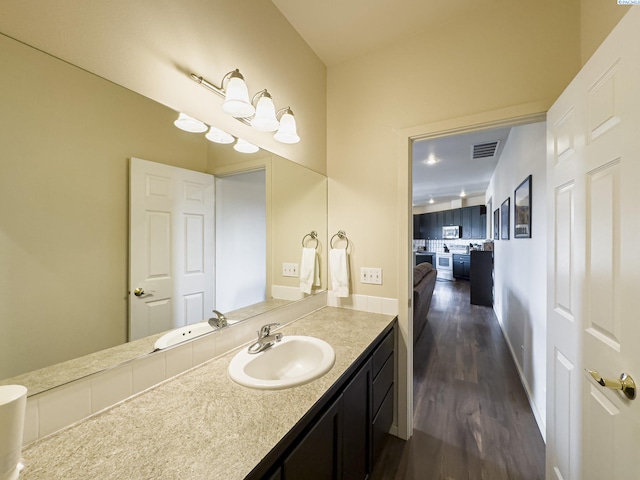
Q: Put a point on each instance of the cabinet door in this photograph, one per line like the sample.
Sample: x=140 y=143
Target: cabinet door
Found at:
x=448 y=217
x=356 y=408
x=439 y=224
x=466 y=269
x=458 y=269
x=416 y=227
x=318 y=456
x=475 y=222
x=483 y=222
x=466 y=222
x=456 y=215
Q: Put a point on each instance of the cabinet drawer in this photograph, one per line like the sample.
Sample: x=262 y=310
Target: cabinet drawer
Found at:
x=381 y=425
x=384 y=350
x=382 y=383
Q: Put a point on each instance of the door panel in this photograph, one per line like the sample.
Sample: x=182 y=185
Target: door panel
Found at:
x=593 y=176
x=171 y=247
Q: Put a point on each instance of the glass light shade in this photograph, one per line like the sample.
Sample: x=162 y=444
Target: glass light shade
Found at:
x=218 y=136
x=188 y=124
x=265 y=119
x=243 y=146
x=287 y=133
x=236 y=102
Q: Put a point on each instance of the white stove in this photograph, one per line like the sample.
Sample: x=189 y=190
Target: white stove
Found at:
x=444 y=265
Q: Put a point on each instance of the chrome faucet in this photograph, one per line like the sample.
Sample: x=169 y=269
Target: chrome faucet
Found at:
x=218 y=321
x=265 y=339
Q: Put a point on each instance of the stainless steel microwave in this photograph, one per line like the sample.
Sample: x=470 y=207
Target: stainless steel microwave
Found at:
x=451 y=231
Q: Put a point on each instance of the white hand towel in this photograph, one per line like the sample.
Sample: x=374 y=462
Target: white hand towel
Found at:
x=309 y=270
x=338 y=261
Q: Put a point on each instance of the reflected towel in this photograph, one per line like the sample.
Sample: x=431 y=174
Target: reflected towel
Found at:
x=338 y=262
x=309 y=270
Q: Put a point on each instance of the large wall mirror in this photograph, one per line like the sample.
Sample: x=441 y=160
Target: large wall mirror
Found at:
x=67 y=137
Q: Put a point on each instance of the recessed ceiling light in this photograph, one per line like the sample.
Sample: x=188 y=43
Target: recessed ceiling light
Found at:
x=432 y=160
x=432 y=201
x=462 y=194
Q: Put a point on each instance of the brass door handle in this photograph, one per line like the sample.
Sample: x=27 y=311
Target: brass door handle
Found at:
x=139 y=292
x=625 y=384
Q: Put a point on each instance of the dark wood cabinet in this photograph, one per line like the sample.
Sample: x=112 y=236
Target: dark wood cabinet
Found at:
x=482 y=278
x=466 y=222
x=473 y=221
x=417 y=234
x=318 y=456
x=356 y=426
x=343 y=440
x=461 y=266
x=478 y=221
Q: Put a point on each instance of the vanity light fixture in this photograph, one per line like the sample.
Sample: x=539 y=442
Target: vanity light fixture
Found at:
x=189 y=124
x=243 y=146
x=287 y=133
x=262 y=117
x=265 y=118
x=236 y=99
x=219 y=136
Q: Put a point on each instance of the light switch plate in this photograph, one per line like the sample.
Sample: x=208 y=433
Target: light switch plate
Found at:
x=289 y=269
x=371 y=275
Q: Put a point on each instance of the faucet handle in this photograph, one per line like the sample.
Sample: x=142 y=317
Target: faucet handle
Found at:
x=265 y=330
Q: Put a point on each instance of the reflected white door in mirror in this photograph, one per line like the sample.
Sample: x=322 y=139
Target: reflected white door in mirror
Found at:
x=171 y=247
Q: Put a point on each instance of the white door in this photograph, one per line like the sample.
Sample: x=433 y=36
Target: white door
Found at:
x=171 y=246
x=593 y=169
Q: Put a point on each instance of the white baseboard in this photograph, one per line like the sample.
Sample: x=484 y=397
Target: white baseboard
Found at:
x=540 y=420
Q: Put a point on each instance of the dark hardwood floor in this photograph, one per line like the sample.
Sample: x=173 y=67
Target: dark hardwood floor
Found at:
x=472 y=419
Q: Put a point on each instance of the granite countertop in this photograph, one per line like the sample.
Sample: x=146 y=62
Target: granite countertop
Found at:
x=200 y=425
x=52 y=376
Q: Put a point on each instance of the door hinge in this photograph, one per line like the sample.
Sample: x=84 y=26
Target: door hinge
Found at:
x=409 y=303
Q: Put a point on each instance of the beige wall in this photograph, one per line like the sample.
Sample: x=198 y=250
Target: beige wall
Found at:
x=66 y=138
x=298 y=206
x=597 y=19
x=152 y=48
x=484 y=61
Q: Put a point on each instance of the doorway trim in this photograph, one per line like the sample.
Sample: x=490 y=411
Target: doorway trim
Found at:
x=505 y=117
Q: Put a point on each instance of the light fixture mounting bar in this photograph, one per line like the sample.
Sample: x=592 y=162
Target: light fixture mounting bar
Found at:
x=215 y=89
x=208 y=85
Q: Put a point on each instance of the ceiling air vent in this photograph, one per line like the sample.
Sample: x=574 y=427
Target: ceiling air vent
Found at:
x=485 y=150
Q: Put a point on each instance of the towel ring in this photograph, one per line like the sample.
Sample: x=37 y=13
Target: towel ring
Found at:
x=313 y=235
x=341 y=236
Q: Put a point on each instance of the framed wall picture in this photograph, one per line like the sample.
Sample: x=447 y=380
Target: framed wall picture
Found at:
x=504 y=214
x=522 y=210
x=496 y=224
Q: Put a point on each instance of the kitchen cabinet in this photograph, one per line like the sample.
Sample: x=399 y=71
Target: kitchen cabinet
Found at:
x=481 y=278
x=466 y=222
x=422 y=257
x=345 y=438
x=417 y=234
x=461 y=266
x=478 y=221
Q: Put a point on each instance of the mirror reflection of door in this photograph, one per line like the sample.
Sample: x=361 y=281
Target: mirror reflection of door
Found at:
x=171 y=245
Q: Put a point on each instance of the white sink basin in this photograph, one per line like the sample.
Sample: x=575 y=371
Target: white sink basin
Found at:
x=183 y=334
x=292 y=361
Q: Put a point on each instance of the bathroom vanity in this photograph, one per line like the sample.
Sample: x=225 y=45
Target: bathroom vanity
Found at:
x=202 y=425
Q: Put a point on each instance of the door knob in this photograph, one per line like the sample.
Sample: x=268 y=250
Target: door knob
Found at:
x=138 y=292
x=626 y=383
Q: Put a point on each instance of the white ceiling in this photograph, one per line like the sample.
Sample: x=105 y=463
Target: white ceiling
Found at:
x=340 y=30
x=456 y=170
